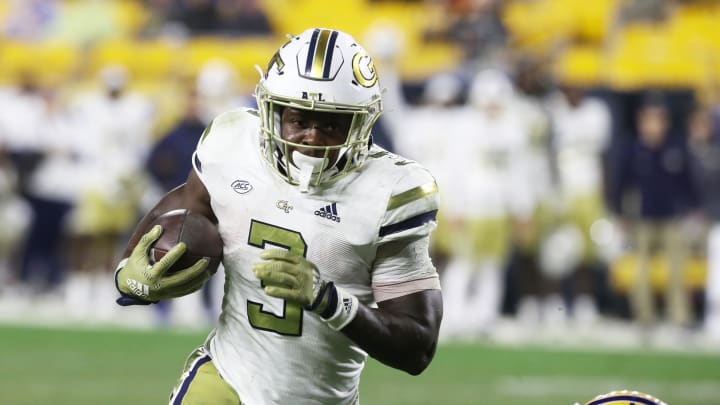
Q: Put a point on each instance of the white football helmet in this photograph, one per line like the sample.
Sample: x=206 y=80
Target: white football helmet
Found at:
x=321 y=70
x=491 y=91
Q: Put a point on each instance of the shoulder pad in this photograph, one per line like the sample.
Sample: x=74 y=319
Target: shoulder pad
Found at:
x=225 y=137
x=388 y=158
x=412 y=205
x=227 y=119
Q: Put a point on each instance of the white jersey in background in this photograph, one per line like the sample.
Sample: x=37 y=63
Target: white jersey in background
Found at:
x=343 y=229
x=489 y=160
x=487 y=187
x=120 y=128
x=582 y=134
x=22 y=118
x=425 y=136
x=536 y=120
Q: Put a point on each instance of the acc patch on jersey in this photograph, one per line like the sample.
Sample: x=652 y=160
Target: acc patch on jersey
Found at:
x=625 y=397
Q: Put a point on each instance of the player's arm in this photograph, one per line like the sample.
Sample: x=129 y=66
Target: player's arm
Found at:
x=141 y=282
x=402 y=332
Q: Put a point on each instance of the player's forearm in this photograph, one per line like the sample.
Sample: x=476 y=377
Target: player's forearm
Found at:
x=396 y=338
x=401 y=333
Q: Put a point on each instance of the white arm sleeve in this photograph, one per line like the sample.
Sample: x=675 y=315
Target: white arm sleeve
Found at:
x=403 y=267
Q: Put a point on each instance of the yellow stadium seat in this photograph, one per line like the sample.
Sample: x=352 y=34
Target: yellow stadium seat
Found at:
x=535 y=26
x=647 y=55
x=143 y=59
x=683 y=52
x=579 y=65
x=51 y=63
x=130 y=16
x=523 y=20
x=242 y=53
x=695 y=31
x=295 y=16
x=594 y=18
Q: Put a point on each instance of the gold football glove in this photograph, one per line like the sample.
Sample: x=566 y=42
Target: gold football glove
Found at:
x=295 y=279
x=141 y=282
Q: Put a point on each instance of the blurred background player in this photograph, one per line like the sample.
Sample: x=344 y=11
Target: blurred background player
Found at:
x=33 y=130
x=116 y=128
x=487 y=198
x=417 y=128
x=523 y=282
x=581 y=134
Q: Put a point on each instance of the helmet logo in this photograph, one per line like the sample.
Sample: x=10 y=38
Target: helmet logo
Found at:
x=312 y=96
x=321 y=60
x=278 y=62
x=364 y=69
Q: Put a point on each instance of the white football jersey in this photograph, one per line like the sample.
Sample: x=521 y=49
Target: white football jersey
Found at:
x=487 y=157
x=273 y=352
x=582 y=135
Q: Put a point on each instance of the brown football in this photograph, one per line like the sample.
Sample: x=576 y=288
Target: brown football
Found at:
x=199 y=234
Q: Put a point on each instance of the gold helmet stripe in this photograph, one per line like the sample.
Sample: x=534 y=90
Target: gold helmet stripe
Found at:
x=320 y=51
x=329 y=55
x=319 y=58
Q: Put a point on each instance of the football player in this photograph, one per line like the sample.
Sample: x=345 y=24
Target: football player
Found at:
x=581 y=125
x=325 y=238
x=481 y=211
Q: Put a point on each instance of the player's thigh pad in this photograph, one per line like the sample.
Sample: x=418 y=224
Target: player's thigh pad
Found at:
x=201 y=384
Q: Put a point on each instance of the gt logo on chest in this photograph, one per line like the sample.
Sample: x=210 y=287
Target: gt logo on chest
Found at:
x=284 y=205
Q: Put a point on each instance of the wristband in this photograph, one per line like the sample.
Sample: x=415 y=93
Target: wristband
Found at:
x=345 y=309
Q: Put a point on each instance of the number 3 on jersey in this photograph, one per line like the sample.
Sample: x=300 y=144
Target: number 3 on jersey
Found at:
x=290 y=322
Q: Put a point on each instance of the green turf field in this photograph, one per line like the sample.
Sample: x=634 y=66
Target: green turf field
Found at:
x=83 y=367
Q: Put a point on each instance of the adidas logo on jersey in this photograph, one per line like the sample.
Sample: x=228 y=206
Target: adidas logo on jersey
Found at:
x=329 y=211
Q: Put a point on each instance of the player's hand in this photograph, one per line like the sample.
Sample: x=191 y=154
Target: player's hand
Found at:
x=295 y=279
x=141 y=282
x=289 y=276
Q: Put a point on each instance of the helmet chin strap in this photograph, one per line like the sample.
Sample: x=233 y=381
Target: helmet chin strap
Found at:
x=304 y=168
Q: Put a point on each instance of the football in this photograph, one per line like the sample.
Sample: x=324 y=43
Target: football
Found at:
x=199 y=234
